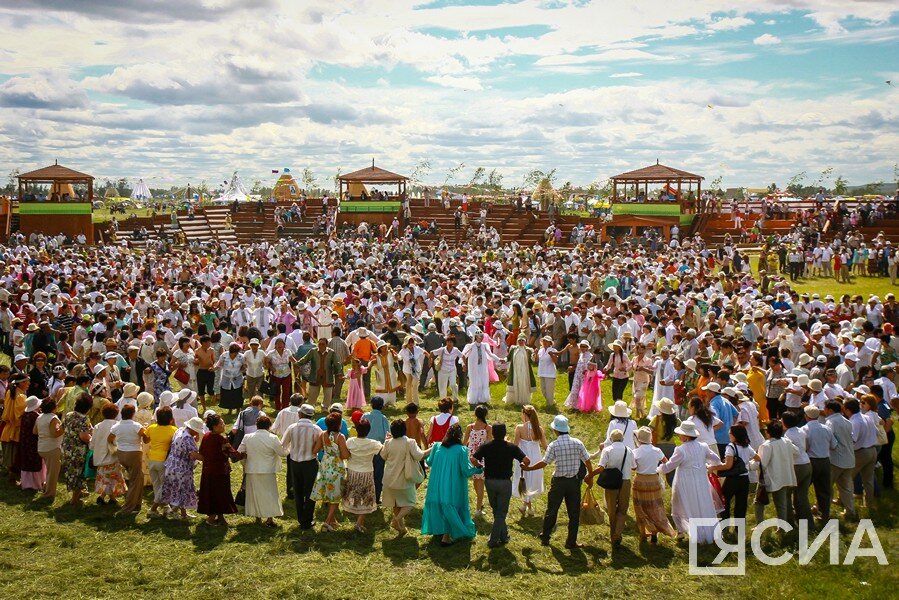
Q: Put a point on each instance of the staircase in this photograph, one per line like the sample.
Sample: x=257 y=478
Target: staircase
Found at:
x=216 y=219
x=251 y=227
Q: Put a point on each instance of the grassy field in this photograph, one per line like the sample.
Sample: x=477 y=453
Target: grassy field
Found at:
x=91 y=553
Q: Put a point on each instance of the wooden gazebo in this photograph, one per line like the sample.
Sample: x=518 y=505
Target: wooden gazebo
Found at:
x=674 y=180
x=61 y=209
x=354 y=182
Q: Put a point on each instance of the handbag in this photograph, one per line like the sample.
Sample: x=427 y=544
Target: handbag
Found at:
x=182 y=376
x=761 y=492
x=611 y=478
x=591 y=513
x=882 y=439
x=265 y=387
x=90 y=471
x=738 y=467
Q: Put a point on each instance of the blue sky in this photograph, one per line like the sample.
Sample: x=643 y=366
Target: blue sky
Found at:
x=181 y=90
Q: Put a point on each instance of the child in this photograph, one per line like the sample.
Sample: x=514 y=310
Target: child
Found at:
x=415 y=428
x=356 y=394
x=590 y=396
x=477 y=434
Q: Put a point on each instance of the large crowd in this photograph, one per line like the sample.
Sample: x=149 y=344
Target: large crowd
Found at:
x=129 y=368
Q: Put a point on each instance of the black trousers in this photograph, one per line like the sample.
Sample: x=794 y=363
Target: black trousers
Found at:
x=378 y=464
x=303 y=475
x=735 y=488
x=773 y=408
x=567 y=489
x=885 y=456
x=205 y=382
x=618 y=385
x=821 y=481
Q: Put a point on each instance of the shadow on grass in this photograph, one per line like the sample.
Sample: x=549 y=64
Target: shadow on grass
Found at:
x=450 y=558
x=401 y=550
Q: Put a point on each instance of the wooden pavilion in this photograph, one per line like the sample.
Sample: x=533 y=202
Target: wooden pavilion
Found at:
x=673 y=179
x=61 y=209
x=355 y=182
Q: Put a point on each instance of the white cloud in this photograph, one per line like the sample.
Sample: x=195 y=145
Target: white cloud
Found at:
x=627 y=74
x=766 y=39
x=771 y=22
x=730 y=24
x=461 y=83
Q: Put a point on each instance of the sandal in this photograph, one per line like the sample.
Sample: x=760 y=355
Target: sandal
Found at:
x=359 y=528
x=327 y=527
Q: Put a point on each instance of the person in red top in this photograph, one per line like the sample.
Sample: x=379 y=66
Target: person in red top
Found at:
x=441 y=422
x=216 y=500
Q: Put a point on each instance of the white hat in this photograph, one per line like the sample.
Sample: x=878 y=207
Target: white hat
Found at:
x=815 y=385
x=851 y=356
x=32 y=403
x=186 y=394
x=307 y=410
x=254 y=342
x=196 y=424
x=812 y=411
x=687 y=428
x=644 y=435
x=802 y=380
x=130 y=390
x=620 y=409
x=805 y=359
x=166 y=398
x=712 y=386
x=20 y=357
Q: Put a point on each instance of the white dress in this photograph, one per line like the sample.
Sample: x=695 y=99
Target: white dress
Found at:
x=691 y=492
x=749 y=414
x=478 y=375
x=533 y=480
x=580 y=368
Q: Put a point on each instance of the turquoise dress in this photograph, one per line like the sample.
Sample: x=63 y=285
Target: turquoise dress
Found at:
x=446 y=502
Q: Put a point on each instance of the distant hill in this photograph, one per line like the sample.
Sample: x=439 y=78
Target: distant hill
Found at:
x=888 y=188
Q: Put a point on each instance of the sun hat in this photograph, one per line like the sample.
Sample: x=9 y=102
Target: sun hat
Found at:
x=130 y=390
x=712 y=386
x=196 y=424
x=20 y=357
x=815 y=385
x=166 y=398
x=560 y=424
x=32 y=403
x=644 y=435
x=336 y=407
x=687 y=428
x=187 y=395
x=812 y=412
x=690 y=363
x=616 y=435
x=666 y=406
x=805 y=359
x=254 y=342
x=307 y=410
x=144 y=400
x=620 y=409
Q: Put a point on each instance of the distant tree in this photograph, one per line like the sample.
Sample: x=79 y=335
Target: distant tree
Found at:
x=12 y=182
x=336 y=181
x=840 y=186
x=256 y=189
x=871 y=188
x=477 y=177
x=495 y=182
x=308 y=179
x=825 y=175
x=795 y=186
x=566 y=190
x=452 y=173
x=715 y=185
x=123 y=187
x=772 y=188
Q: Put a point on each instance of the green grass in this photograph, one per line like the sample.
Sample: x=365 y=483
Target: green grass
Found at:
x=90 y=553
x=102 y=215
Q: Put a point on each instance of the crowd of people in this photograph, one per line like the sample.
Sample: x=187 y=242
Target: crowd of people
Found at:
x=129 y=368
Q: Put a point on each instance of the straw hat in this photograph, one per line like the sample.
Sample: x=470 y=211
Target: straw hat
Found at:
x=616 y=435
x=644 y=435
x=812 y=412
x=815 y=385
x=144 y=400
x=620 y=409
x=666 y=406
x=687 y=428
x=712 y=386
x=130 y=390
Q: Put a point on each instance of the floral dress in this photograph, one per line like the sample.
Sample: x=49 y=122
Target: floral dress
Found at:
x=476 y=437
x=178 y=488
x=331 y=473
x=74 y=451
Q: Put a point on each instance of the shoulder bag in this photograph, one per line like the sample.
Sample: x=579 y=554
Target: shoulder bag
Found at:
x=738 y=467
x=612 y=478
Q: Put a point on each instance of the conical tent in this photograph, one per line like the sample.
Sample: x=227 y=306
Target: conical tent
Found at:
x=236 y=190
x=141 y=191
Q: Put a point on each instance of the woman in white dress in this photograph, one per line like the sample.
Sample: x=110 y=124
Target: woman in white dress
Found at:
x=579 y=369
x=529 y=436
x=705 y=422
x=691 y=492
x=262 y=452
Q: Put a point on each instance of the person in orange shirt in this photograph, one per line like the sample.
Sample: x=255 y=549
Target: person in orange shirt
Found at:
x=364 y=349
x=12 y=422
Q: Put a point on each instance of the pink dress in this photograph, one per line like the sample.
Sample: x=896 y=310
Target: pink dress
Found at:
x=356 y=395
x=590 y=396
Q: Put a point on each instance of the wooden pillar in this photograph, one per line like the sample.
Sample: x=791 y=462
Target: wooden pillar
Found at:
x=90 y=190
x=666 y=231
x=614 y=191
x=634 y=231
x=698 y=193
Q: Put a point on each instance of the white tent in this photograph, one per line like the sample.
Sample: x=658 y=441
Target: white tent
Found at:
x=236 y=190
x=141 y=191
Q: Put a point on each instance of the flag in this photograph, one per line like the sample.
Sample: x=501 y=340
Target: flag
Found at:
x=275 y=171
x=287 y=170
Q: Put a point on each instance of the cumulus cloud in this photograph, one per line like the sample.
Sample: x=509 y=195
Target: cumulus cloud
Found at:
x=133 y=11
x=52 y=91
x=461 y=83
x=730 y=23
x=766 y=39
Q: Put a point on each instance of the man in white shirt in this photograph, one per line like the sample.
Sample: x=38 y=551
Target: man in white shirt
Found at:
x=299 y=440
x=413 y=358
x=546 y=358
x=448 y=357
